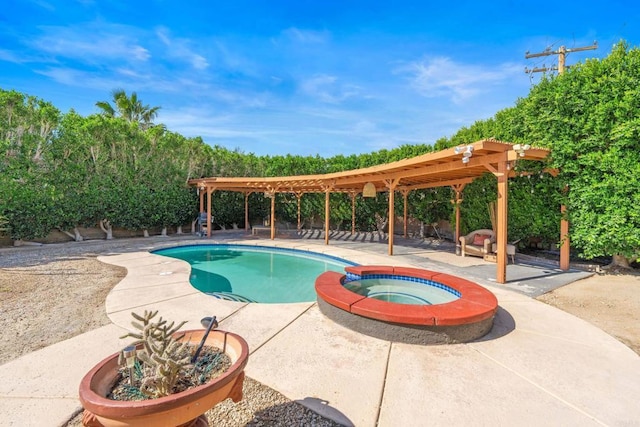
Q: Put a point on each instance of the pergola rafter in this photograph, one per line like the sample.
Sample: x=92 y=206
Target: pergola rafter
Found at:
x=446 y=168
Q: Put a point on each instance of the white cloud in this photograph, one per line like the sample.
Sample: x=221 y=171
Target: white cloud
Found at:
x=45 y=5
x=131 y=73
x=91 y=43
x=125 y=78
x=364 y=127
x=306 y=36
x=225 y=128
x=442 y=77
x=233 y=58
x=318 y=85
x=190 y=115
x=73 y=77
x=179 y=48
x=326 y=89
x=139 y=53
x=9 y=56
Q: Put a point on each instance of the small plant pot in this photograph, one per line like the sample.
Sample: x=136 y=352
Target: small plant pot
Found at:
x=179 y=409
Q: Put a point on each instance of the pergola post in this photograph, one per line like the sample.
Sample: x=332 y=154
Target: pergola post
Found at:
x=327 y=192
x=565 y=247
x=273 y=215
x=201 y=190
x=391 y=185
x=246 y=211
x=299 y=198
x=457 y=201
x=501 y=232
x=209 y=194
x=353 y=195
x=405 y=195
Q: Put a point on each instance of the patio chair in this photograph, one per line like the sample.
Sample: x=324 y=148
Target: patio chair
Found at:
x=511 y=249
x=477 y=243
x=202 y=224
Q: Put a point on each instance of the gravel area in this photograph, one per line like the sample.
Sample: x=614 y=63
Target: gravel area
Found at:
x=51 y=302
x=61 y=289
x=261 y=406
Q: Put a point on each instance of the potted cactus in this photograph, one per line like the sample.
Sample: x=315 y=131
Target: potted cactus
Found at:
x=163 y=379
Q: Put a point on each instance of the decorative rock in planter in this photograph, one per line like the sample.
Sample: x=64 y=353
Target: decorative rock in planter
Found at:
x=179 y=409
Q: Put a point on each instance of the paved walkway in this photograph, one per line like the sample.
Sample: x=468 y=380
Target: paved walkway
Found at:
x=539 y=365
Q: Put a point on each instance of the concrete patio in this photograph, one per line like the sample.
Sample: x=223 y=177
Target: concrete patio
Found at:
x=539 y=365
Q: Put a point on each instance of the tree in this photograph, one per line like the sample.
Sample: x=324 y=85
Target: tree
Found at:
x=70 y=171
x=589 y=117
x=430 y=205
x=4 y=225
x=129 y=107
x=27 y=125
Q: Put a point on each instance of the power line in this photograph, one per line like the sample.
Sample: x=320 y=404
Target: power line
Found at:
x=562 y=55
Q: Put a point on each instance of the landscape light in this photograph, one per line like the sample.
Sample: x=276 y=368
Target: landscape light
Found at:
x=129 y=354
x=466 y=150
x=521 y=148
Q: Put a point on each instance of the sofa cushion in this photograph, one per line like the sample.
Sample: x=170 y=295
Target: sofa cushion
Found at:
x=478 y=239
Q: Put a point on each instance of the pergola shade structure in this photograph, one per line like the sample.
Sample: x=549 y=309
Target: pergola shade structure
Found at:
x=453 y=167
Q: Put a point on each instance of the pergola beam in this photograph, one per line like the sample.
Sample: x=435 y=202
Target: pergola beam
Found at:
x=438 y=184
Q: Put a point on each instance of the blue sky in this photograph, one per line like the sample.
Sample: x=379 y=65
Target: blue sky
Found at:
x=300 y=77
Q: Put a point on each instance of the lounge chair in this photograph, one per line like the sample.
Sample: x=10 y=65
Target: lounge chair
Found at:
x=478 y=243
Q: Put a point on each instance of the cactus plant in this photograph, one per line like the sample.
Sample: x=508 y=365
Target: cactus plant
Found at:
x=162 y=358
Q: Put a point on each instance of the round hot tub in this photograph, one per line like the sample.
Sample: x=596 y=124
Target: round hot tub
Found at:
x=408 y=305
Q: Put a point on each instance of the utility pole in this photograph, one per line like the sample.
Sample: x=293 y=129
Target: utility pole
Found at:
x=562 y=56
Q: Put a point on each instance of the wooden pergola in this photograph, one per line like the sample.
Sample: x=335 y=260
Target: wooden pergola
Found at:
x=453 y=167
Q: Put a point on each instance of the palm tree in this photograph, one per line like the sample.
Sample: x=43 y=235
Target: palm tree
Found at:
x=129 y=108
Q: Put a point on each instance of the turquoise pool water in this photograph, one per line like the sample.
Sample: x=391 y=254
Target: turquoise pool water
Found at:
x=402 y=290
x=255 y=273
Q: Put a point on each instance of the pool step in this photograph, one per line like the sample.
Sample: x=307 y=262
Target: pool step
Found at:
x=228 y=296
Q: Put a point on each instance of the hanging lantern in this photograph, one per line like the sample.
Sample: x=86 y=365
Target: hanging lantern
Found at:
x=369 y=190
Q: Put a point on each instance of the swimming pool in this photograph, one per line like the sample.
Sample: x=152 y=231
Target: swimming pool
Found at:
x=261 y=274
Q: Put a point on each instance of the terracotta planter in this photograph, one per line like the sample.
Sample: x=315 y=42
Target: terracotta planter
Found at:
x=170 y=411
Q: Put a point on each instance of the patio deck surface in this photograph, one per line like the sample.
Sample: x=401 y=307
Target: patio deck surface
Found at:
x=539 y=365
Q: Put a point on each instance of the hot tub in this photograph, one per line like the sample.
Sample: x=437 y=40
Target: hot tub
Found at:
x=466 y=316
